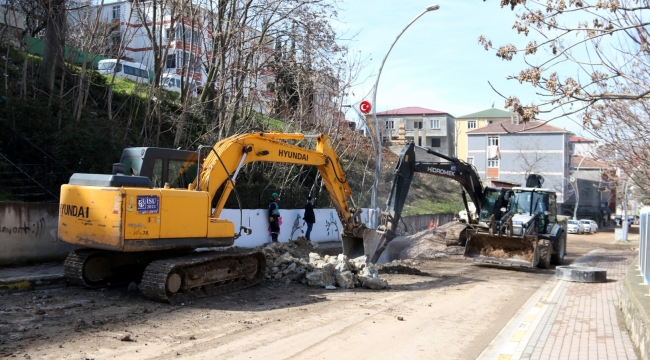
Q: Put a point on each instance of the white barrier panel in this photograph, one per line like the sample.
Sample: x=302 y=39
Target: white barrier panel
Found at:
x=326 y=228
x=644 y=245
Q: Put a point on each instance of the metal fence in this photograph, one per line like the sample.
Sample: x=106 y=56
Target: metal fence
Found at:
x=27 y=173
x=644 y=245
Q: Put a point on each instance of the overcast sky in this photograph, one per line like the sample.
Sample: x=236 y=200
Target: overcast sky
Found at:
x=437 y=63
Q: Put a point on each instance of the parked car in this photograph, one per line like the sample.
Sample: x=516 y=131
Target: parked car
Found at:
x=590 y=226
x=575 y=227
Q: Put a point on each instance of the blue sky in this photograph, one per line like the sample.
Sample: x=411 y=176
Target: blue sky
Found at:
x=437 y=63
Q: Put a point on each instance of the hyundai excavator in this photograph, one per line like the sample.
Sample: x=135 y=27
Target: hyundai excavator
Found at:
x=489 y=201
x=143 y=222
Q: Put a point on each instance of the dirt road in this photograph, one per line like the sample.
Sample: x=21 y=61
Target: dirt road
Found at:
x=452 y=313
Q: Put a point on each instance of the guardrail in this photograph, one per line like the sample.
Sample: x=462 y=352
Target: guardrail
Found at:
x=644 y=245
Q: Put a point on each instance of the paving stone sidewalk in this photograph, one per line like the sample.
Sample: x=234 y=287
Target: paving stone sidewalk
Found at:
x=570 y=320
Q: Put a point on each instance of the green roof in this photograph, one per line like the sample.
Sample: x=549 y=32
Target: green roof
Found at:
x=489 y=113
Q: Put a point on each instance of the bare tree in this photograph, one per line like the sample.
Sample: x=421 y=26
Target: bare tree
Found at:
x=606 y=43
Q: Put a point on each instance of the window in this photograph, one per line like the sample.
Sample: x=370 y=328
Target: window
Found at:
x=116 y=12
x=181 y=173
x=472 y=124
x=171 y=61
x=493 y=163
x=417 y=124
x=435 y=142
x=156 y=177
x=389 y=124
x=493 y=141
x=169 y=34
x=470 y=160
x=434 y=124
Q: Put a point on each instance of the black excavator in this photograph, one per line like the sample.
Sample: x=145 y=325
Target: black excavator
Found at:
x=491 y=202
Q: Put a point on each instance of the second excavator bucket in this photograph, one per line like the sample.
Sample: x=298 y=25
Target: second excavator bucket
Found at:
x=371 y=245
x=493 y=249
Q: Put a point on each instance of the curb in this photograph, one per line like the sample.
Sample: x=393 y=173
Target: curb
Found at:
x=42 y=282
x=634 y=306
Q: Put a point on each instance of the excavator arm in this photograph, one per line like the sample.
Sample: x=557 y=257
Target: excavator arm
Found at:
x=227 y=157
x=406 y=166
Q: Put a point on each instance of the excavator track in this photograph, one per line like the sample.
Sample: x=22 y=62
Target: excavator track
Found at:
x=74 y=266
x=100 y=268
x=199 y=275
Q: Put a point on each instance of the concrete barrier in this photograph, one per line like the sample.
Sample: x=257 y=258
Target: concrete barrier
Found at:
x=635 y=308
x=28 y=230
x=28 y=234
x=418 y=223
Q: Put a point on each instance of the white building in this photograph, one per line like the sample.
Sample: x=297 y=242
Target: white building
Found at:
x=185 y=44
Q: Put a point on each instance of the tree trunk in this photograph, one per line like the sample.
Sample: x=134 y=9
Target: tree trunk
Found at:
x=54 y=45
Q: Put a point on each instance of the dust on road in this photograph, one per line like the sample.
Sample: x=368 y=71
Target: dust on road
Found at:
x=451 y=310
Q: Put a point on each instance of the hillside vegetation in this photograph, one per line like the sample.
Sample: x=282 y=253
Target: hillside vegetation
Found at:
x=94 y=142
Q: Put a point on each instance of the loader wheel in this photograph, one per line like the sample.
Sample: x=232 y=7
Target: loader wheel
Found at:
x=560 y=250
x=544 y=254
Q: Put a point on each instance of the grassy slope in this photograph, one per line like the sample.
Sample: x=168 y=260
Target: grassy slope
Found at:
x=99 y=142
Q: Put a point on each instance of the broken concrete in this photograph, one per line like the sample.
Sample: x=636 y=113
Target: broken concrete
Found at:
x=298 y=261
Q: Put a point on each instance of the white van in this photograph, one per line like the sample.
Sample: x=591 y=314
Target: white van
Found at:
x=125 y=69
x=172 y=82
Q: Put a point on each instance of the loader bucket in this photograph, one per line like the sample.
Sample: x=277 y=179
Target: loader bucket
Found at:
x=493 y=249
x=371 y=245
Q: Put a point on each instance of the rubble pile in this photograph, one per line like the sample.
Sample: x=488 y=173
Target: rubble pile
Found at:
x=286 y=261
x=443 y=241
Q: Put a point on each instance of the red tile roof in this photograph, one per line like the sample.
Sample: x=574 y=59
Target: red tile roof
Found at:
x=411 y=110
x=588 y=163
x=578 y=139
x=506 y=127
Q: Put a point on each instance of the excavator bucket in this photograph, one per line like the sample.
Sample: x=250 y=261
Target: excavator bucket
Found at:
x=371 y=245
x=493 y=249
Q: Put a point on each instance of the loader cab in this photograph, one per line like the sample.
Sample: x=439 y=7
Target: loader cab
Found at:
x=179 y=168
x=494 y=202
x=530 y=202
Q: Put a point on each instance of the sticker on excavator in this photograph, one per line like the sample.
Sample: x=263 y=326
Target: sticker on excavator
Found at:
x=521 y=251
x=148 y=204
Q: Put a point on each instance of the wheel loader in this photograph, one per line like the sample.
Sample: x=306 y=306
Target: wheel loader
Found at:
x=143 y=222
x=531 y=234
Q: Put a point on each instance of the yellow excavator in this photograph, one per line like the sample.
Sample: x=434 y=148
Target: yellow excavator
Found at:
x=143 y=222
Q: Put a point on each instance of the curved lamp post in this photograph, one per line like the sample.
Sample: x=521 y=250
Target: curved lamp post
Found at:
x=374 y=105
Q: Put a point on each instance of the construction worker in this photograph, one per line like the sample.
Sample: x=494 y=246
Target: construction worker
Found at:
x=274 y=216
x=309 y=217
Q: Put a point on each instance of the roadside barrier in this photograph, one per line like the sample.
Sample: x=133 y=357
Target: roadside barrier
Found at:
x=644 y=245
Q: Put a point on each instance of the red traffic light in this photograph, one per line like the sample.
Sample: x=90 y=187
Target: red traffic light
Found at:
x=365 y=107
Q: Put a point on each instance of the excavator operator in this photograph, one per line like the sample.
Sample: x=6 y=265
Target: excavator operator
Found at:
x=274 y=216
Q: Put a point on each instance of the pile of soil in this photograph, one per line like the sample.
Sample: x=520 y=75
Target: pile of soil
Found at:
x=443 y=241
x=401 y=267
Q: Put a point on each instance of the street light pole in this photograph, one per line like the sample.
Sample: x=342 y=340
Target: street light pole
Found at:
x=373 y=201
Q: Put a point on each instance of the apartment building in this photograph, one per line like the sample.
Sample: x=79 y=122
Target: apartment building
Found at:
x=428 y=128
x=467 y=123
x=510 y=152
x=185 y=42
